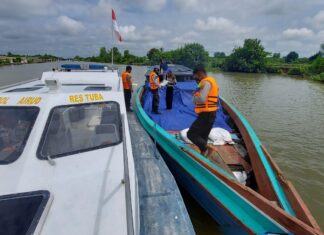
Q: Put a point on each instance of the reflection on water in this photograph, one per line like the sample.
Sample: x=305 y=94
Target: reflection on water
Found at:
x=286 y=113
x=203 y=223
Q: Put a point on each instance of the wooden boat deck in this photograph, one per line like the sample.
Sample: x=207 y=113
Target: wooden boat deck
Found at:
x=162 y=210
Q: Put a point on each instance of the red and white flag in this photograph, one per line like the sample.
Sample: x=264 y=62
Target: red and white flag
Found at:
x=115 y=25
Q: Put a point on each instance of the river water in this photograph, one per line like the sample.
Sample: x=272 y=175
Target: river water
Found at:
x=287 y=114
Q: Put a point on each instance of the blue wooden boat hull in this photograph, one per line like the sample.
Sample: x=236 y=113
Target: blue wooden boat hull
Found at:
x=227 y=224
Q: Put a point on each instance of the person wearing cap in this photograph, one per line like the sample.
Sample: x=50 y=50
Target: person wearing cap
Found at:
x=205 y=100
x=154 y=85
x=171 y=79
x=128 y=87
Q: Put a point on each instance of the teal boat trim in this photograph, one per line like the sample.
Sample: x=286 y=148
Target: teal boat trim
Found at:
x=273 y=179
x=240 y=208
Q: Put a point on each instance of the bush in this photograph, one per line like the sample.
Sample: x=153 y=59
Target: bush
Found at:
x=317 y=65
x=250 y=58
x=295 y=71
x=271 y=69
x=191 y=55
x=291 y=57
x=301 y=70
x=319 y=77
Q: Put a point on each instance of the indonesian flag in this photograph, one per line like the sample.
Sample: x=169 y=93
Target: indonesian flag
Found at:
x=115 y=25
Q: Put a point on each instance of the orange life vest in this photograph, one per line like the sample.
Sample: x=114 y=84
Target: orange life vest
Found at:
x=210 y=104
x=125 y=83
x=153 y=86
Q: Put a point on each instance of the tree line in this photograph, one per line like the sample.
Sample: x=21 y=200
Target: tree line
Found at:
x=249 y=58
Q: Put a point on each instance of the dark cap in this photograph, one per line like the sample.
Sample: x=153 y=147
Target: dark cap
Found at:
x=199 y=68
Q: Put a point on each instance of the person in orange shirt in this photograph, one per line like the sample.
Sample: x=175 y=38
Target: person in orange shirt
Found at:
x=206 y=105
x=154 y=85
x=128 y=86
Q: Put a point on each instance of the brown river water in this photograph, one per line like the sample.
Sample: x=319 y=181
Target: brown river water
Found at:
x=286 y=113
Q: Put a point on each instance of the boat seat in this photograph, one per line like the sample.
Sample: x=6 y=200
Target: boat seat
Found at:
x=226 y=156
x=109 y=116
x=76 y=114
x=231 y=157
x=105 y=134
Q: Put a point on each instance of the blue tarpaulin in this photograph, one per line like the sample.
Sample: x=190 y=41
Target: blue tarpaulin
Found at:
x=182 y=114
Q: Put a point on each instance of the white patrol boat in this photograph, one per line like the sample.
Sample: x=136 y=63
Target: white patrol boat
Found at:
x=66 y=163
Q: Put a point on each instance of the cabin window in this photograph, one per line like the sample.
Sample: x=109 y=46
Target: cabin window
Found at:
x=15 y=126
x=21 y=213
x=79 y=128
x=24 y=89
x=98 y=88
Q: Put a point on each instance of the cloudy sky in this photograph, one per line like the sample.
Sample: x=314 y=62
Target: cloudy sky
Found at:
x=80 y=27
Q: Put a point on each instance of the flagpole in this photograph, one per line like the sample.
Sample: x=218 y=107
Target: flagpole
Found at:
x=112 y=38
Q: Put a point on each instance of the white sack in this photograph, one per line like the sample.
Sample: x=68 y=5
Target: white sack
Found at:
x=220 y=136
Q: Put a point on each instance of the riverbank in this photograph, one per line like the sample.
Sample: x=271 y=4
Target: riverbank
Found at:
x=305 y=71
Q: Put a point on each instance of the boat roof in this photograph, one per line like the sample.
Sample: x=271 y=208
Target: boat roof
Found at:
x=177 y=69
x=84 y=188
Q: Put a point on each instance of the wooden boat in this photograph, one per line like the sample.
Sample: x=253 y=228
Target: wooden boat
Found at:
x=66 y=162
x=266 y=204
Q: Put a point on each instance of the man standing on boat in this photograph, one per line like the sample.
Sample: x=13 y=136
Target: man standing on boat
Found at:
x=171 y=79
x=164 y=68
x=205 y=100
x=154 y=85
x=128 y=86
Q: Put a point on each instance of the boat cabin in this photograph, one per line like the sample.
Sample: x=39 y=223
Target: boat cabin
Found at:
x=66 y=160
x=181 y=72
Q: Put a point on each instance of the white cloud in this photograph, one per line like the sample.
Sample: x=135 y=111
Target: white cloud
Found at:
x=148 y=5
x=69 y=26
x=320 y=36
x=23 y=8
x=318 y=20
x=102 y=10
x=297 y=34
x=186 y=4
x=130 y=33
x=230 y=22
x=186 y=38
x=221 y=25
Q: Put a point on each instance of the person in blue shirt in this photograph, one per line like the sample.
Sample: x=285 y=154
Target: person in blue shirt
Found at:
x=171 y=79
x=163 y=68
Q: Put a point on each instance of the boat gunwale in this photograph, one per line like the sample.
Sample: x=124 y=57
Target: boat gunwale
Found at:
x=298 y=206
x=258 y=159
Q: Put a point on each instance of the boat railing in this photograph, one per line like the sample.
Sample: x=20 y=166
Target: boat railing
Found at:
x=128 y=198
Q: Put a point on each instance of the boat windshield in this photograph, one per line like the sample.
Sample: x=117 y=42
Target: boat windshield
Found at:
x=79 y=128
x=15 y=126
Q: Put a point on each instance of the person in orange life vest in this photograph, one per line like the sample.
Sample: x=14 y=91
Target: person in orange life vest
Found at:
x=154 y=85
x=128 y=86
x=205 y=100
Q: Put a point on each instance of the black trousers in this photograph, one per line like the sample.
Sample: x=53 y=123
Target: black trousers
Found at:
x=169 y=97
x=200 y=129
x=155 y=100
x=128 y=96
